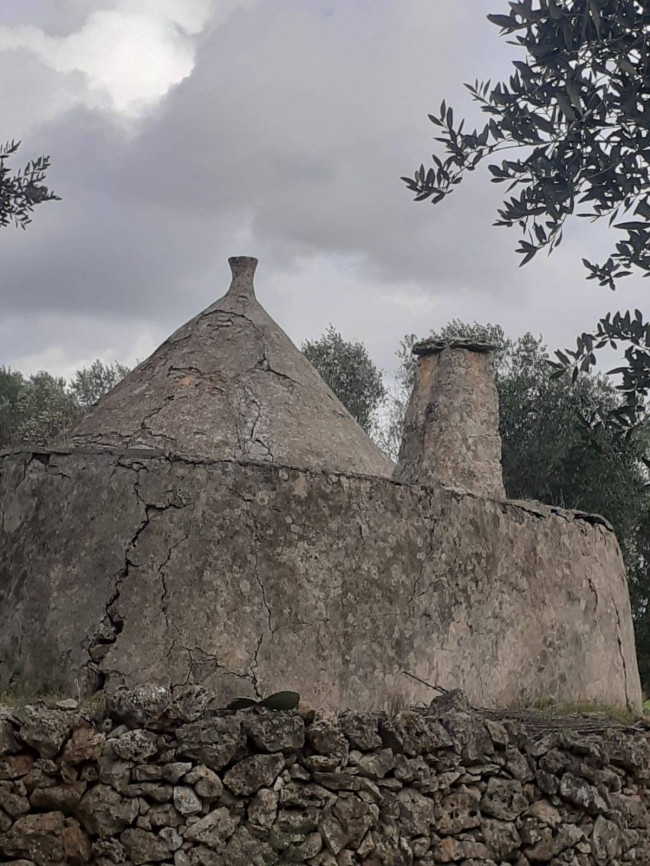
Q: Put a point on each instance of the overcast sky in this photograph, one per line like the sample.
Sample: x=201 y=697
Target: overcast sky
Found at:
x=185 y=131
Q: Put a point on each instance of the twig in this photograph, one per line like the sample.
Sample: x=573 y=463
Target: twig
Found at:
x=425 y=683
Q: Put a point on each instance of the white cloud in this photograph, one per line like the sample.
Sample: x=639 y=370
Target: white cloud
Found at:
x=131 y=54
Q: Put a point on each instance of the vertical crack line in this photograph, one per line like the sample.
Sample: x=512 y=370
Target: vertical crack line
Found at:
x=630 y=704
x=253 y=669
x=164 y=595
x=428 y=555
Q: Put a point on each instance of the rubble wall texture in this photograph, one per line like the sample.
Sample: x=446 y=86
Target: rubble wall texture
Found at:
x=170 y=780
x=248 y=578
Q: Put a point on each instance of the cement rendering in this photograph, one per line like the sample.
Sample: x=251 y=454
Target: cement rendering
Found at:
x=451 y=429
x=230 y=385
x=252 y=578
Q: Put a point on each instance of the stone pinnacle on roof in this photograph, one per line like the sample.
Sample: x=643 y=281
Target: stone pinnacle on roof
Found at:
x=230 y=385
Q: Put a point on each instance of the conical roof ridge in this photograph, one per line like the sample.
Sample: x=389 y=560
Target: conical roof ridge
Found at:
x=230 y=385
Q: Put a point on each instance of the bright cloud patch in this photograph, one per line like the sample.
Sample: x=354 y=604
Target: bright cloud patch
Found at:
x=130 y=55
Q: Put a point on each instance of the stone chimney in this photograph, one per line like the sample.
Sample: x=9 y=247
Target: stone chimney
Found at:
x=451 y=429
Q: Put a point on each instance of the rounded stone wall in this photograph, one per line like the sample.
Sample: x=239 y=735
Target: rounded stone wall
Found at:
x=127 y=567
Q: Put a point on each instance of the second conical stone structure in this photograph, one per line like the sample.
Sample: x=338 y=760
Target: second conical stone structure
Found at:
x=230 y=385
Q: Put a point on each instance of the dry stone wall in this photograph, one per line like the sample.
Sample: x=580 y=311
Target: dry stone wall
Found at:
x=159 y=777
x=126 y=567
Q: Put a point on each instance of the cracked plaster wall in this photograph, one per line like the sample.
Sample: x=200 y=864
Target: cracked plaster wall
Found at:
x=248 y=578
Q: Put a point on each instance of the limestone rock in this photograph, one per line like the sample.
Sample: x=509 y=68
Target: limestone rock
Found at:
x=361 y=729
x=143 y=847
x=275 y=731
x=140 y=706
x=213 y=829
x=206 y=782
x=251 y=774
x=215 y=741
x=459 y=811
x=186 y=800
x=134 y=746
x=104 y=812
x=36 y=837
x=504 y=799
x=45 y=729
x=85 y=744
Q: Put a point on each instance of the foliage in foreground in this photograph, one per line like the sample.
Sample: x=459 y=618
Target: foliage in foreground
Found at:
x=22 y=190
x=573 y=121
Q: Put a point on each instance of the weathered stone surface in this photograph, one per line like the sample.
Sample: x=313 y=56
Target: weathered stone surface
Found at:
x=263 y=809
x=451 y=429
x=377 y=765
x=134 y=746
x=230 y=385
x=15 y=766
x=326 y=737
x=144 y=704
x=501 y=837
x=414 y=734
x=143 y=847
x=104 y=812
x=251 y=774
x=85 y=744
x=459 y=811
x=362 y=730
x=55 y=798
x=8 y=743
x=206 y=782
x=581 y=793
x=36 y=837
x=417 y=812
x=504 y=799
x=275 y=732
x=214 y=829
x=186 y=800
x=445 y=805
x=402 y=593
x=76 y=844
x=215 y=741
x=45 y=729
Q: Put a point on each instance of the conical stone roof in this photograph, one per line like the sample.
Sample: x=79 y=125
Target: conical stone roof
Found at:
x=230 y=385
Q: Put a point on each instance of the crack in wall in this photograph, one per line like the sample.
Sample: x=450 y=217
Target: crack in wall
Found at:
x=425 y=562
x=112 y=624
x=630 y=703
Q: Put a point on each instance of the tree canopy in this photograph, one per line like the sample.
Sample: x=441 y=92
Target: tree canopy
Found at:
x=574 y=119
x=40 y=409
x=22 y=190
x=348 y=370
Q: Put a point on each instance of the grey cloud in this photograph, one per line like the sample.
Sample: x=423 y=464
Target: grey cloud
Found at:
x=286 y=142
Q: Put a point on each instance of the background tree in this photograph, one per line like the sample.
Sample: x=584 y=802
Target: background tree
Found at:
x=40 y=409
x=22 y=190
x=348 y=370
x=574 y=118
x=11 y=384
x=44 y=409
x=90 y=383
